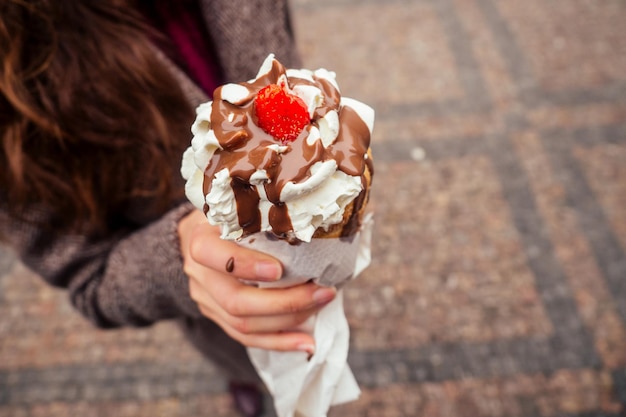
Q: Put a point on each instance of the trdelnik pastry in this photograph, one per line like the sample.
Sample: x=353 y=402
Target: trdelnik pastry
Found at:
x=283 y=153
x=285 y=158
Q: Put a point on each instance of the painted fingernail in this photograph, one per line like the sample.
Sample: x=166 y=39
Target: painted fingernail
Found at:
x=230 y=265
x=324 y=295
x=310 y=349
x=269 y=271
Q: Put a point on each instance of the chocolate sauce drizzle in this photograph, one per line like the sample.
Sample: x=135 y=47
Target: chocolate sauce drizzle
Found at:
x=245 y=150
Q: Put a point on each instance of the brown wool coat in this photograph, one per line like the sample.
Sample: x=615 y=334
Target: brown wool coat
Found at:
x=135 y=277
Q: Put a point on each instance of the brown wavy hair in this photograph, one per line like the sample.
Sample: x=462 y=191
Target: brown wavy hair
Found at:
x=85 y=105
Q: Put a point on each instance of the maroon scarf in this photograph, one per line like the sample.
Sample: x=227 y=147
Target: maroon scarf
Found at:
x=187 y=41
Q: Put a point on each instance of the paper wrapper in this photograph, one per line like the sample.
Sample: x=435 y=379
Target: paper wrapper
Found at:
x=302 y=386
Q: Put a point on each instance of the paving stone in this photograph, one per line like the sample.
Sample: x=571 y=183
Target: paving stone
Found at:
x=569 y=44
x=573 y=393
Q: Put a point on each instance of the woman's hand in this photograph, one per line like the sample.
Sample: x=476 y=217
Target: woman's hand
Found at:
x=254 y=317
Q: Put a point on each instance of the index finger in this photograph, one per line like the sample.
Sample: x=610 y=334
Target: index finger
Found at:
x=208 y=249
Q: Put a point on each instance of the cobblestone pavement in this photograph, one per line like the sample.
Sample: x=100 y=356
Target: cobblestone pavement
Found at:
x=498 y=284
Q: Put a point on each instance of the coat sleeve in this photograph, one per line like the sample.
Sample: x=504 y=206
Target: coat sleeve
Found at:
x=126 y=278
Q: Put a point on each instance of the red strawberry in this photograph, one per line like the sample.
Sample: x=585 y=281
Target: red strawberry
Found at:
x=280 y=114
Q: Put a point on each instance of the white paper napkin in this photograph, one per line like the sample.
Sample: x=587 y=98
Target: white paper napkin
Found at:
x=302 y=386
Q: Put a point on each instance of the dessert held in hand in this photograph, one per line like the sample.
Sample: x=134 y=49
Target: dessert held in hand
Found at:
x=283 y=153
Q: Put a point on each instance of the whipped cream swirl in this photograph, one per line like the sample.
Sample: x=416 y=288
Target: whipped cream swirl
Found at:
x=247 y=182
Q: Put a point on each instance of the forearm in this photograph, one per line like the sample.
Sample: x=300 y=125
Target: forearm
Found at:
x=142 y=280
x=125 y=279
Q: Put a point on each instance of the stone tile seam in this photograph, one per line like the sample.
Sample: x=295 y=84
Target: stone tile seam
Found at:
x=592 y=219
x=471 y=77
x=531 y=99
x=450 y=147
x=507 y=44
x=540 y=257
x=176 y=385
x=29 y=386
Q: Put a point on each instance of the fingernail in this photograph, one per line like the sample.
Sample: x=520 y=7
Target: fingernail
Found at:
x=310 y=349
x=324 y=295
x=269 y=271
